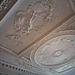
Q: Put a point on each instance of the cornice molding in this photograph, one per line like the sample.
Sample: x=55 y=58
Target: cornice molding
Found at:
x=37 y=45
x=57 y=32
x=2 y=49
x=15 y=68
x=25 y=63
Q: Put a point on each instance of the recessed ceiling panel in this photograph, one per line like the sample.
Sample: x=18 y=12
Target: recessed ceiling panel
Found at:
x=31 y=21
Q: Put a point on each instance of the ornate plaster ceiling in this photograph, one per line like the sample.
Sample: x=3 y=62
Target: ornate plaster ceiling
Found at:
x=30 y=25
x=56 y=51
x=18 y=36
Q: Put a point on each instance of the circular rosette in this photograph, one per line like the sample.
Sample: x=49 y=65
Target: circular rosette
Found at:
x=56 y=51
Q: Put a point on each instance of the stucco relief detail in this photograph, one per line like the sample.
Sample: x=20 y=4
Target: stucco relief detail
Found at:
x=17 y=69
x=56 y=32
x=32 y=19
x=55 y=50
x=39 y=43
x=18 y=60
x=57 y=68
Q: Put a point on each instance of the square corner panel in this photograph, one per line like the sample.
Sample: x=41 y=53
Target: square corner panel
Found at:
x=30 y=20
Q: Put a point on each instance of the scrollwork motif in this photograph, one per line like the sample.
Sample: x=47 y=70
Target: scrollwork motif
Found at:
x=32 y=19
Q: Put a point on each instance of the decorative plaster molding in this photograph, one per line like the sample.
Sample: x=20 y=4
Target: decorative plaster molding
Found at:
x=5 y=7
x=18 y=43
x=46 y=38
x=2 y=49
x=20 y=61
x=27 y=21
x=57 y=32
x=15 y=68
x=67 y=66
x=52 y=34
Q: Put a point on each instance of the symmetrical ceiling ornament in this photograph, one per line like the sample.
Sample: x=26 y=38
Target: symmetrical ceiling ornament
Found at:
x=56 y=51
x=34 y=17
